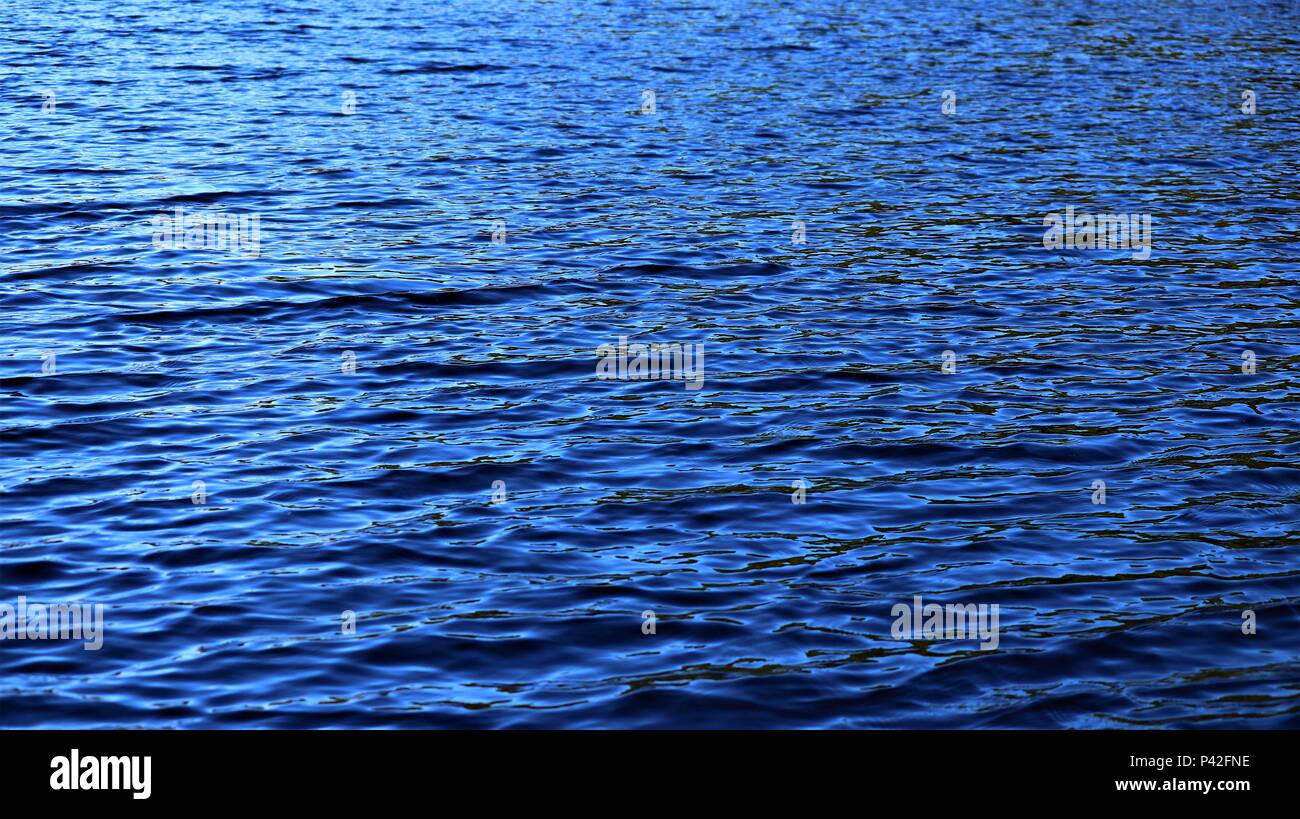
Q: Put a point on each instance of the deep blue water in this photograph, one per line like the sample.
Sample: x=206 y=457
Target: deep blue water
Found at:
x=372 y=492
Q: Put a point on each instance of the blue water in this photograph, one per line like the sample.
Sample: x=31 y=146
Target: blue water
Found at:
x=326 y=491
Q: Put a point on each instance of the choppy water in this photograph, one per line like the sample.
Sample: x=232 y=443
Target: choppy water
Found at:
x=372 y=491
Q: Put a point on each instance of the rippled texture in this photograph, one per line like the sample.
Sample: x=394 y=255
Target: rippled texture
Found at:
x=372 y=492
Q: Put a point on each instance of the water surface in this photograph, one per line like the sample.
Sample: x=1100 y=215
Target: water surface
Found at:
x=372 y=492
